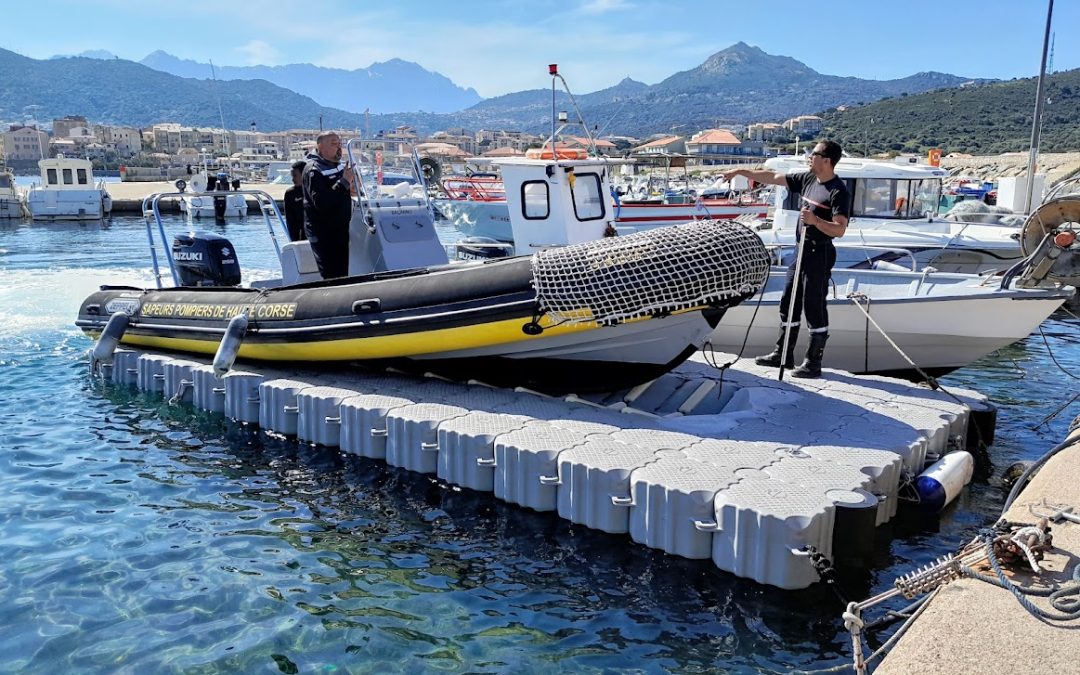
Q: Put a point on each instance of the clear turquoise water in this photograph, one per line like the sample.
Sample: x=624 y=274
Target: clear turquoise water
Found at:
x=140 y=538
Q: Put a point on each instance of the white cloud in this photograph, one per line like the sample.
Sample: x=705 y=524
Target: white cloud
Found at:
x=258 y=53
x=604 y=6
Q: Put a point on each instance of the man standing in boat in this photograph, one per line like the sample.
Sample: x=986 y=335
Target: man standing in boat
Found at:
x=294 y=203
x=826 y=207
x=328 y=206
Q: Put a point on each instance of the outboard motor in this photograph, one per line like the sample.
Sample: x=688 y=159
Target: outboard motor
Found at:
x=482 y=248
x=211 y=183
x=205 y=259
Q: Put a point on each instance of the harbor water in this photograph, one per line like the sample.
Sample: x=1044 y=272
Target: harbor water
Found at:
x=137 y=537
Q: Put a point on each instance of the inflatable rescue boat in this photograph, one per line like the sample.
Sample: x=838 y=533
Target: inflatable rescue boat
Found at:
x=591 y=314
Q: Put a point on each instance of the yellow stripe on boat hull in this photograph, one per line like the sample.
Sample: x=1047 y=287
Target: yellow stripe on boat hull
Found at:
x=379 y=346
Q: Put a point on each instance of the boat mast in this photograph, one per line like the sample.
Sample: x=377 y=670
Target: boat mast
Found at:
x=221 y=113
x=1036 y=127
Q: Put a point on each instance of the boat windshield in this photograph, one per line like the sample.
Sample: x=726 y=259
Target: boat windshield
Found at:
x=899 y=199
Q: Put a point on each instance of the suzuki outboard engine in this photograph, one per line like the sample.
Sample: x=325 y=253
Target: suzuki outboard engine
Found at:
x=205 y=259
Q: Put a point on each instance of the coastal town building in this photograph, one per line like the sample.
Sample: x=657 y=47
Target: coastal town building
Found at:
x=767 y=132
x=22 y=146
x=63 y=126
x=804 y=125
x=664 y=145
x=721 y=146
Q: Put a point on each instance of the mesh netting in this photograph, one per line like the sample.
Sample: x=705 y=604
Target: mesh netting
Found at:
x=657 y=271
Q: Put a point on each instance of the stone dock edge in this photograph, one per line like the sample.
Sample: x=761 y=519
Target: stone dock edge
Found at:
x=974 y=627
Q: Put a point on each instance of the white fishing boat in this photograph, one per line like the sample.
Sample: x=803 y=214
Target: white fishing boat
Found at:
x=212 y=198
x=895 y=212
x=883 y=321
x=67 y=192
x=477 y=204
x=941 y=321
x=11 y=199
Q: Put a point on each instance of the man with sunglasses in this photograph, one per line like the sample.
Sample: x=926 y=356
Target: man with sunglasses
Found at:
x=826 y=207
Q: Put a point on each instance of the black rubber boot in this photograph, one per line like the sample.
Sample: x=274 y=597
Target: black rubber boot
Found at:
x=811 y=367
x=772 y=359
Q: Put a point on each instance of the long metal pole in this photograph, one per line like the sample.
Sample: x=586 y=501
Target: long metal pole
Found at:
x=1036 y=124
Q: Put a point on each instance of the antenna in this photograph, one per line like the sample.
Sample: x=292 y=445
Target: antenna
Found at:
x=221 y=114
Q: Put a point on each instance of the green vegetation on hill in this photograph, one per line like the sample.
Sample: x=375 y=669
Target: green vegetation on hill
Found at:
x=980 y=119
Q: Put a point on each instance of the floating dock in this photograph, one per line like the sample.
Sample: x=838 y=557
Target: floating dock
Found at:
x=128 y=197
x=700 y=463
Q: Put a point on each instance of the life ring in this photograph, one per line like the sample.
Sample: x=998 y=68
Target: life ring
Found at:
x=560 y=153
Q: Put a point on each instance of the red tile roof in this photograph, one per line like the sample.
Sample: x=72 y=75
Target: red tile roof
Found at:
x=717 y=137
x=660 y=142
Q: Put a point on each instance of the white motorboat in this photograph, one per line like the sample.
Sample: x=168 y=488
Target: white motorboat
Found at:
x=477 y=204
x=895 y=214
x=211 y=198
x=942 y=321
x=11 y=200
x=67 y=192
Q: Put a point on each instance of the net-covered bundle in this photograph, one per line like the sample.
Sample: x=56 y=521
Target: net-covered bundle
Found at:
x=653 y=272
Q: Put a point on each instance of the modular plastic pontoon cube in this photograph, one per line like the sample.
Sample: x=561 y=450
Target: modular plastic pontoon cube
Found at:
x=209 y=392
x=526 y=464
x=672 y=507
x=363 y=423
x=151 y=373
x=126 y=367
x=319 y=419
x=277 y=405
x=594 y=482
x=242 y=396
x=180 y=380
x=412 y=440
x=467 y=448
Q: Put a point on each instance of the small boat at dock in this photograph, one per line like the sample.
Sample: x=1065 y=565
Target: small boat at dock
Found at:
x=67 y=192
x=593 y=313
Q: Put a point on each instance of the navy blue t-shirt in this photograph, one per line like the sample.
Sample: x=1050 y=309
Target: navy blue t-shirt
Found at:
x=827 y=199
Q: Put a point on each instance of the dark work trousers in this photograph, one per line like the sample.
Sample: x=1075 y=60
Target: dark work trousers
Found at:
x=818 y=260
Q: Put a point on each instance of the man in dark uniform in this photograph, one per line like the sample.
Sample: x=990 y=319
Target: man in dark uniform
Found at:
x=294 y=203
x=826 y=207
x=328 y=206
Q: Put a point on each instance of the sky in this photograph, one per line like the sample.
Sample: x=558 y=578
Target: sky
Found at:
x=502 y=46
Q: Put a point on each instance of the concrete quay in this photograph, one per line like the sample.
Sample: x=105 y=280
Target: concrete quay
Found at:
x=128 y=197
x=974 y=627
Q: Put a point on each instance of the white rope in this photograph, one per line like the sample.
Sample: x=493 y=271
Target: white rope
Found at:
x=1018 y=539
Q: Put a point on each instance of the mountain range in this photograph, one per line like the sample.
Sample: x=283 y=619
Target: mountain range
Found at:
x=736 y=85
x=386 y=87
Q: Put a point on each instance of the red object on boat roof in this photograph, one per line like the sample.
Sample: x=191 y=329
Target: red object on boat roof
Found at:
x=553 y=69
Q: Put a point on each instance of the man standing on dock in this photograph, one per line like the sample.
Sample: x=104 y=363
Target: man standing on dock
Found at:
x=826 y=207
x=294 y=203
x=328 y=206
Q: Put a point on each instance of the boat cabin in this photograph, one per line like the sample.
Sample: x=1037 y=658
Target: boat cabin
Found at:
x=555 y=202
x=66 y=173
x=883 y=193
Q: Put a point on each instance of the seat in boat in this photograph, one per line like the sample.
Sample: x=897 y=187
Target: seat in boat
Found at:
x=298 y=264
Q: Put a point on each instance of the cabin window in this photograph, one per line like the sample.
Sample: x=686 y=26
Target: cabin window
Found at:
x=5 y=182
x=535 y=200
x=81 y=175
x=50 y=176
x=925 y=197
x=588 y=201
x=68 y=180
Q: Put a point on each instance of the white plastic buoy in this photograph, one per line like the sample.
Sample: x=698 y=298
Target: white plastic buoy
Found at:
x=942 y=481
x=230 y=344
x=102 y=354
